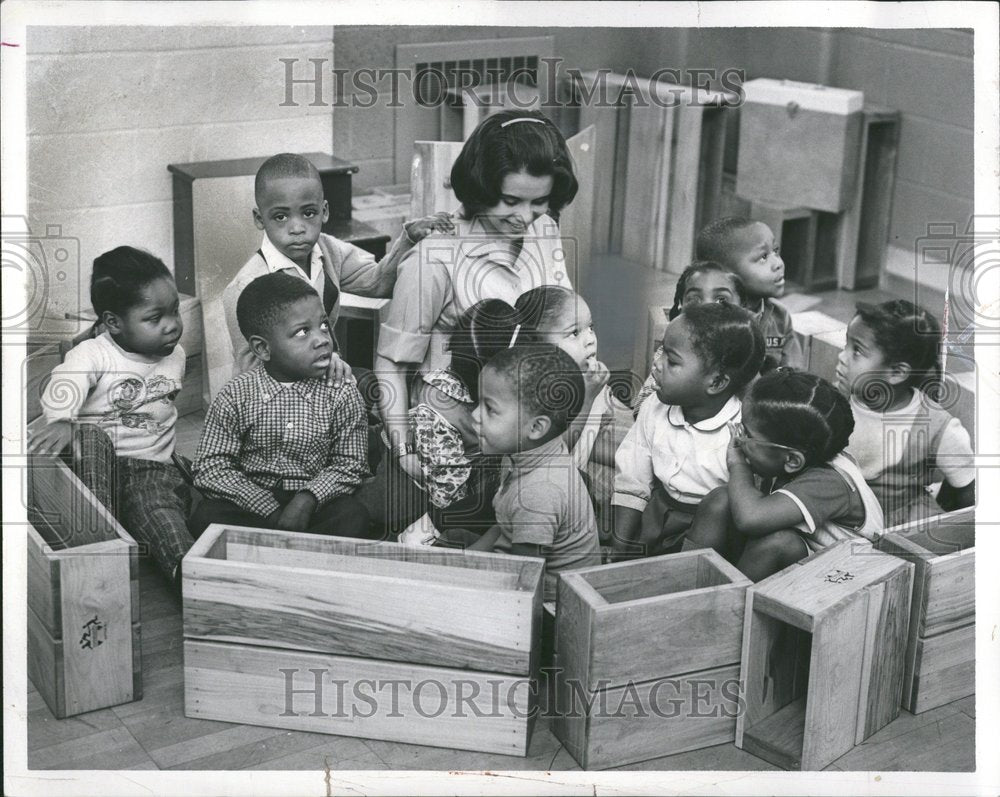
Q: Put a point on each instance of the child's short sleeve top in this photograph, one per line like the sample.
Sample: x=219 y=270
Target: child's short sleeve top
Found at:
x=543 y=501
x=130 y=396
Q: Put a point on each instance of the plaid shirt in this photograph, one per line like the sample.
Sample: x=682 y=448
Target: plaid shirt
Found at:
x=261 y=436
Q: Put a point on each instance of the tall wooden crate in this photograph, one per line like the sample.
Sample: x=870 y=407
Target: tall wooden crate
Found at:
x=823 y=655
x=310 y=633
x=660 y=636
x=658 y=165
x=941 y=646
x=84 y=648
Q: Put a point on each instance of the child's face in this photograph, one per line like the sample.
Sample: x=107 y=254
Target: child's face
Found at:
x=765 y=457
x=861 y=363
x=299 y=345
x=292 y=211
x=709 y=286
x=572 y=330
x=153 y=326
x=755 y=259
x=679 y=373
x=503 y=426
x=523 y=198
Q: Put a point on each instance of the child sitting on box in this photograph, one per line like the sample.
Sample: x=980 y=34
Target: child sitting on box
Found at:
x=675 y=454
x=113 y=399
x=702 y=281
x=281 y=448
x=746 y=248
x=528 y=397
x=791 y=441
x=560 y=316
x=291 y=210
x=891 y=369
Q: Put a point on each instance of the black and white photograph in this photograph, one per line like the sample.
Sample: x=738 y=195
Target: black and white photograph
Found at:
x=501 y=398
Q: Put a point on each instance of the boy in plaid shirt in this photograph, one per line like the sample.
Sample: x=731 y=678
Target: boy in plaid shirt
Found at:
x=280 y=448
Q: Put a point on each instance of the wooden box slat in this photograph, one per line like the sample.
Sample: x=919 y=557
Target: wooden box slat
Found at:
x=360 y=598
x=942 y=550
x=823 y=649
x=625 y=627
x=323 y=693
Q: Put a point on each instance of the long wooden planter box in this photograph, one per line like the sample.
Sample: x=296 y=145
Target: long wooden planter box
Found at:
x=823 y=647
x=84 y=648
x=257 y=602
x=648 y=657
x=941 y=646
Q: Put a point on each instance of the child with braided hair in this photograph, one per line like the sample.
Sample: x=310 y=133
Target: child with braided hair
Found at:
x=811 y=494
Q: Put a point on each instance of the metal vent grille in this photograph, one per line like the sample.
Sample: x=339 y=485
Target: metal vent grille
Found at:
x=472 y=73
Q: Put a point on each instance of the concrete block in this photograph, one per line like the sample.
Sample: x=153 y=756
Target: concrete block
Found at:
x=372 y=173
x=937 y=86
x=915 y=206
x=255 y=138
x=364 y=133
x=863 y=64
x=942 y=40
x=948 y=169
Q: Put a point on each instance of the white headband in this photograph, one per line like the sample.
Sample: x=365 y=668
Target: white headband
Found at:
x=523 y=119
x=513 y=338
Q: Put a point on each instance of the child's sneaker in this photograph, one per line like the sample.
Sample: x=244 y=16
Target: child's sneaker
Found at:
x=419 y=533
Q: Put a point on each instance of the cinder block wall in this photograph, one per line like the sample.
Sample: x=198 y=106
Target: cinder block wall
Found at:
x=110 y=107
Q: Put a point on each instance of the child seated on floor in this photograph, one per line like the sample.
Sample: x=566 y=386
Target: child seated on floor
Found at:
x=891 y=369
x=560 y=316
x=528 y=397
x=291 y=211
x=113 y=399
x=281 y=448
x=746 y=248
x=702 y=281
x=675 y=454
x=794 y=430
x=458 y=480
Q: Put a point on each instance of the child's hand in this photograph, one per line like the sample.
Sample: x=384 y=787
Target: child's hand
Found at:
x=410 y=463
x=595 y=378
x=338 y=371
x=52 y=439
x=298 y=512
x=734 y=453
x=418 y=229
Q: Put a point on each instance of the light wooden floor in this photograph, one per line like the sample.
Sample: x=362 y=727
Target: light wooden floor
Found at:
x=153 y=733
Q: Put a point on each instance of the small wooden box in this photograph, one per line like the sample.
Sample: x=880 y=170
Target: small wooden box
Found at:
x=661 y=635
x=823 y=648
x=941 y=647
x=799 y=144
x=84 y=650
x=258 y=603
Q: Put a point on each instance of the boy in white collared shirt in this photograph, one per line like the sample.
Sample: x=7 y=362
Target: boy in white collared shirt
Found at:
x=675 y=454
x=291 y=211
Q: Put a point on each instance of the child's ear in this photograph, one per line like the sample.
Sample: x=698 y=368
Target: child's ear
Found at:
x=898 y=373
x=719 y=383
x=258 y=220
x=260 y=348
x=539 y=427
x=326 y=211
x=794 y=461
x=112 y=321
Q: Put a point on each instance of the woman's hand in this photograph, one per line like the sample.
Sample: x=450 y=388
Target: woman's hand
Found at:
x=418 y=229
x=338 y=371
x=734 y=453
x=298 y=512
x=410 y=464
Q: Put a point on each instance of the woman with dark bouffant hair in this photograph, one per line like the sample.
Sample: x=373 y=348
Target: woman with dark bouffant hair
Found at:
x=513 y=177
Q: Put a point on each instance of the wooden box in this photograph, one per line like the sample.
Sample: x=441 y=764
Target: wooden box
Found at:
x=940 y=664
x=799 y=144
x=84 y=649
x=648 y=657
x=265 y=611
x=823 y=648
